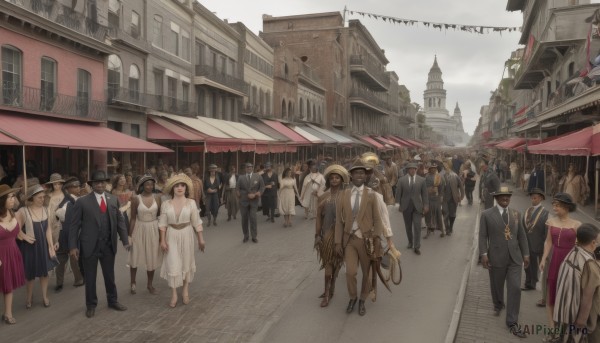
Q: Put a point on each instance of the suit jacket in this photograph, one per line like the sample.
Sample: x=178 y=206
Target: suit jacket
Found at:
x=84 y=223
x=418 y=195
x=244 y=187
x=534 y=223
x=488 y=184
x=368 y=217
x=454 y=189
x=492 y=239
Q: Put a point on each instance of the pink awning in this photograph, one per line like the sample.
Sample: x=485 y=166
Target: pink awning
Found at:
x=390 y=142
x=373 y=143
x=580 y=143
x=510 y=143
x=33 y=131
x=294 y=136
x=5 y=140
x=159 y=129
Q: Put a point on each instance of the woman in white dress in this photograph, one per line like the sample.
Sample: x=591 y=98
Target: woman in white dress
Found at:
x=143 y=232
x=179 y=222
x=312 y=187
x=287 y=196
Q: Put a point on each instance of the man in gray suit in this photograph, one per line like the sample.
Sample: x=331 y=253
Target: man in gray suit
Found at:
x=95 y=223
x=488 y=184
x=249 y=188
x=411 y=194
x=503 y=250
x=534 y=222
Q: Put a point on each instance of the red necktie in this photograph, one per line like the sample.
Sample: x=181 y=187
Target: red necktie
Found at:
x=102 y=205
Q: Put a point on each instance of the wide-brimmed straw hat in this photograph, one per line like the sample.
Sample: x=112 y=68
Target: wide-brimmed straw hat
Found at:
x=143 y=179
x=537 y=191
x=178 y=178
x=55 y=178
x=502 y=191
x=337 y=169
x=6 y=189
x=33 y=190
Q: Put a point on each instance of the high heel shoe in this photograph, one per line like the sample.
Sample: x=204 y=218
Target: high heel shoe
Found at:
x=47 y=303
x=185 y=299
x=9 y=320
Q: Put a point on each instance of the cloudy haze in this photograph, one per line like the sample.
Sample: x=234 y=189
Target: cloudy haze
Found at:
x=472 y=64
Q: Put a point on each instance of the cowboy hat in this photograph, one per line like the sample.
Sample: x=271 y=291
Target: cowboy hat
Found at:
x=339 y=170
x=55 y=178
x=5 y=189
x=98 y=176
x=537 y=191
x=502 y=191
x=33 y=190
x=175 y=179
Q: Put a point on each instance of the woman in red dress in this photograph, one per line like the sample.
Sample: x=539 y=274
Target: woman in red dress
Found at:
x=12 y=272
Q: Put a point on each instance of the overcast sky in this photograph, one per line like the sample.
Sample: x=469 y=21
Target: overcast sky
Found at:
x=472 y=64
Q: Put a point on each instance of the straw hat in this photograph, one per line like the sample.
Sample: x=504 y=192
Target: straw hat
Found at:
x=143 y=179
x=370 y=158
x=337 y=169
x=175 y=179
x=55 y=178
x=5 y=189
x=33 y=190
x=359 y=164
x=502 y=191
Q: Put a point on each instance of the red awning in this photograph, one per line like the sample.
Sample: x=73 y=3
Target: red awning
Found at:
x=373 y=143
x=415 y=143
x=295 y=137
x=160 y=129
x=67 y=134
x=579 y=143
x=5 y=140
x=390 y=142
x=510 y=143
x=403 y=141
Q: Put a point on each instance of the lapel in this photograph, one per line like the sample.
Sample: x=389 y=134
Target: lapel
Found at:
x=347 y=206
x=498 y=217
x=363 y=203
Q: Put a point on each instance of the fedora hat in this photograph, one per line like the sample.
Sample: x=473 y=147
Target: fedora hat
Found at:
x=212 y=166
x=339 y=170
x=55 y=178
x=268 y=164
x=537 y=191
x=412 y=165
x=178 y=178
x=6 y=189
x=359 y=164
x=98 y=176
x=33 y=190
x=142 y=180
x=502 y=191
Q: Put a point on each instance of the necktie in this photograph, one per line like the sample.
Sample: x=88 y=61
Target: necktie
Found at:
x=102 y=205
x=356 y=203
x=248 y=176
x=505 y=216
x=412 y=182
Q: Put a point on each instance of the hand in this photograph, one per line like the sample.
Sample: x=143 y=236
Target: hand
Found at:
x=56 y=246
x=526 y=262
x=580 y=325
x=127 y=247
x=52 y=254
x=130 y=239
x=542 y=264
x=269 y=187
x=485 y=262
x=318 y=241
x=74 y=253
x=29 y=239
x=0 y=263
x=339 y=250
x=164 y=246
x=426 y=210
x=201 y=245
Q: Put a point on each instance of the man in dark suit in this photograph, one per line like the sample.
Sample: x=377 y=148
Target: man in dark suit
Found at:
x=249 y=188
x=95 y=223
x=488 y=184
x=411 y=193
x=534 y=222
x=503 y=250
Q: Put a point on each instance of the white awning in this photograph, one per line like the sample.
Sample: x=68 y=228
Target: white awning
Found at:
x=235 y=129
x=308 y=136
x=195 y=124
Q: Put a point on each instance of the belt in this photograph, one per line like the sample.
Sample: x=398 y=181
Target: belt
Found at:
x=145 y=221
x=179 y=226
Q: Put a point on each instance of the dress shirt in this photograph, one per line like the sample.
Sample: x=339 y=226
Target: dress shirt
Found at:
x=352 y=197
x=99 y=198
x=232 y=182
x=501 y=209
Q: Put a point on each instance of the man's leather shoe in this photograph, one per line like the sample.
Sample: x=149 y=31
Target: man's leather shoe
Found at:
x=254 y=240
x=541 y=303
x=527 y=288
x=79 y=284
x=90 y=312
x=58 y=288
x=118 y=307
x=245 y=239
x=417 y=251
x=409 y=246
x=361 y=308
x=351 y=304
x=516 y=330
x=497 y=312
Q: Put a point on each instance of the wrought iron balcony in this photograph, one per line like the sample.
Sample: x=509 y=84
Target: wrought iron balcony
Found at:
x=219 y=77
x=38 y=100
x=125 y=96
x=65 y=16
x=172 y=105
x=371 y=72
x=370 y=99
x=133 y=37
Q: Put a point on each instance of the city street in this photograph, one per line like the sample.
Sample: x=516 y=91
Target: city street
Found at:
x=265 y=292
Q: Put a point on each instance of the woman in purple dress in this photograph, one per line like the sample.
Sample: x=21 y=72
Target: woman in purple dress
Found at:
x=561 y=237
x=12 y=275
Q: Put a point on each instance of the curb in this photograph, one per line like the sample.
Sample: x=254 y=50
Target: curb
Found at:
x=453 y=329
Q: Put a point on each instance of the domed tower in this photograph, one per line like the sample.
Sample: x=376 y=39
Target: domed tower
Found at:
x=435 y=94
x=458 y=119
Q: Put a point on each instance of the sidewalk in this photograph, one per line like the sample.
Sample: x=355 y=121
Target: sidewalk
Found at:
x=477 y=322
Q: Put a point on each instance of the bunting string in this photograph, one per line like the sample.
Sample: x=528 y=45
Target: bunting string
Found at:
x=479 y=29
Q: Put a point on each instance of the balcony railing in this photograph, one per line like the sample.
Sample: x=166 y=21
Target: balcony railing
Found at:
x=35 y=99
x=308 y=73
x=218 y=76
x=133 y=37
x=116 y=95
x=369 y=97
x=65 y=16
x=372 y=68
x=172 y=105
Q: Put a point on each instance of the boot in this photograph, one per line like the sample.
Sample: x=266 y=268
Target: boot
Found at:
x=325 y=300
x=452 y=219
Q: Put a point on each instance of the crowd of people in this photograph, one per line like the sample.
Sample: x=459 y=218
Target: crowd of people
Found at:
x=160 y=217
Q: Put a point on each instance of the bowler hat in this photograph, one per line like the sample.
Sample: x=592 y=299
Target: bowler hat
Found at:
x=98 y=176
x=502 y=191
x=537 y=191
x=566 y=199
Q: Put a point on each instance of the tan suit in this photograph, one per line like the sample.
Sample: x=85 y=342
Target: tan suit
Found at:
x=369 y=223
